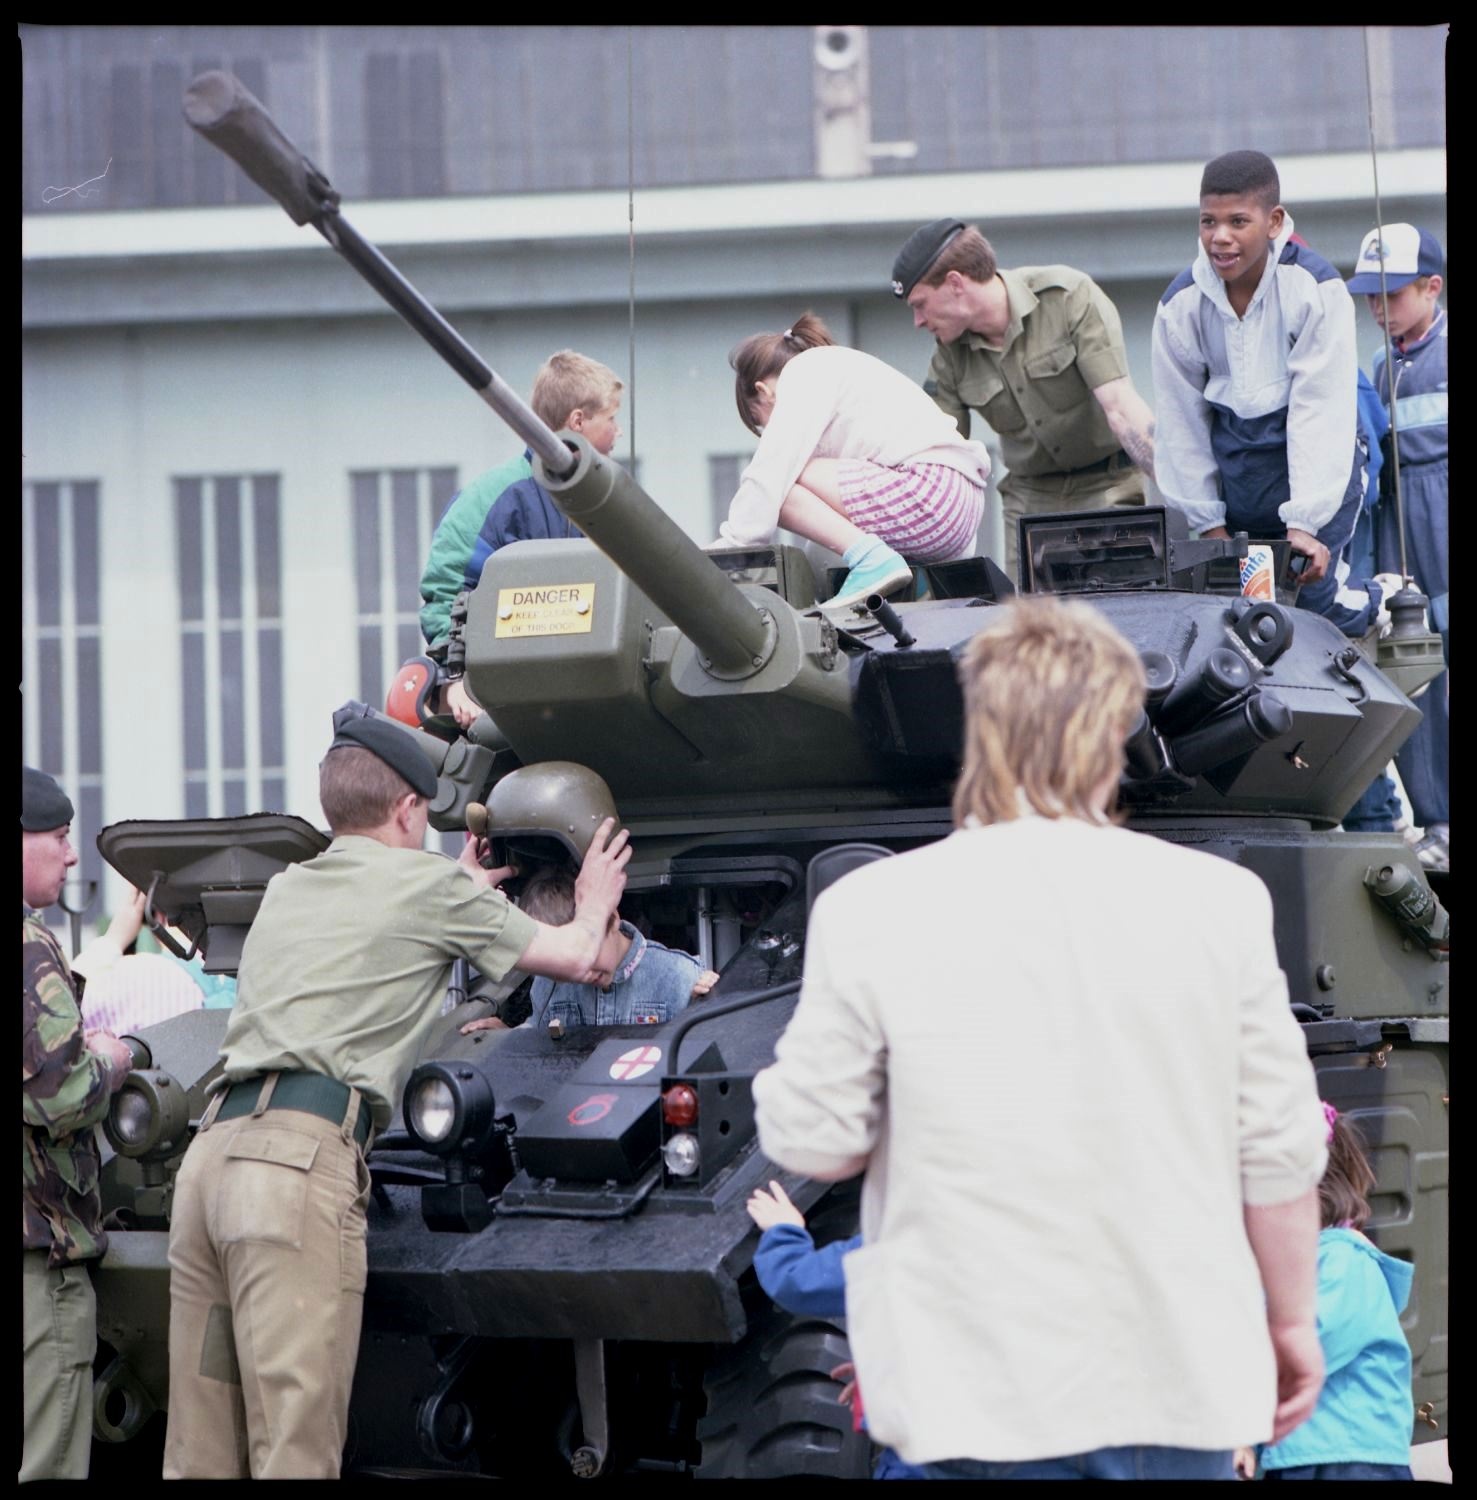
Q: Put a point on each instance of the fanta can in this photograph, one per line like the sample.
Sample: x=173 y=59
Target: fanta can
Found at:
x=1256 y=573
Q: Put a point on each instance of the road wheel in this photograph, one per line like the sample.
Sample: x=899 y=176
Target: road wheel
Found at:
x=771 y=1406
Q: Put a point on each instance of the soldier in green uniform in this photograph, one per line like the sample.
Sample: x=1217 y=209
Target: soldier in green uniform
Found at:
x=1039 y=353
x=67 y=1081
x=341 y=979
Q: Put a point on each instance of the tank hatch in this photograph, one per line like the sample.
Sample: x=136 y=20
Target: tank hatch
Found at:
x=207 y=876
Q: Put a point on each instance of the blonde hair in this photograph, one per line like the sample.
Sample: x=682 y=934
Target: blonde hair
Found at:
x=567 y=381
x=762 y=356
x=1051 y=691
x=357 y=789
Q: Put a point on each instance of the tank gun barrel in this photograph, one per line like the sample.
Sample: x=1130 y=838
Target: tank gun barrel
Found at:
x=599 y=497
x=219 y=107
x=626 y=524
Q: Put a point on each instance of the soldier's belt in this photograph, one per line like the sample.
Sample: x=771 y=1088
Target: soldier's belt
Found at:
x=1114 y=461
x=311 y=1093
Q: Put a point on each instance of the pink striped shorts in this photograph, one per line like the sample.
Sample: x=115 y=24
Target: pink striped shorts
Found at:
x=928 y=512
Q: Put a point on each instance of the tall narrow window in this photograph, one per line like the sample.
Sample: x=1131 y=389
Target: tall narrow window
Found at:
x=61 y=653
x=230 y=579
x=395 y=512
x=404 y=124
x=724 y=470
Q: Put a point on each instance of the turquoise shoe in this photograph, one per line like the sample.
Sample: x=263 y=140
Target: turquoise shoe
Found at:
x=883 y=574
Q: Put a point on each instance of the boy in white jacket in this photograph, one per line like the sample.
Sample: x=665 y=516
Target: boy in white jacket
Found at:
x=1255 y=380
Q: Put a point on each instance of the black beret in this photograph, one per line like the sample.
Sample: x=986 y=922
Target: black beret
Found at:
x=922 y=248
x=393 y=745
x=44 y=805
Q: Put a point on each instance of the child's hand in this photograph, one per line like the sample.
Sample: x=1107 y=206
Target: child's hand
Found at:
x=850 y=1395
x=474 y=851
x=461 y=705
x=487 y=1023
x=703 y=983
x=1310 y=547
x=767 y=1209
x=129 y=922
x=1245 y=1463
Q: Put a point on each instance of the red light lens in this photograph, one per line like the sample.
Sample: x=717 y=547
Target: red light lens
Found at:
x=679 y=1105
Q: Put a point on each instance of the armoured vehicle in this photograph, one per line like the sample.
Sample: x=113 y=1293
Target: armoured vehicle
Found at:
x=560 y=1275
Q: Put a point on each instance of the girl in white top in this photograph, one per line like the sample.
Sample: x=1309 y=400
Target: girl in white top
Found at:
x=852 y=455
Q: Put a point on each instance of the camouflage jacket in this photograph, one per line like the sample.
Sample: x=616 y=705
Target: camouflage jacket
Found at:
x=65 y=1091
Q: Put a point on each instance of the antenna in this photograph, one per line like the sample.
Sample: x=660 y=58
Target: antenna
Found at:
x=1390 y=377
x=631 y=221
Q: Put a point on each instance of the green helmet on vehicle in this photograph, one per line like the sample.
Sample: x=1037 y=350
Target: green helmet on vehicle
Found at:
x=555 y=803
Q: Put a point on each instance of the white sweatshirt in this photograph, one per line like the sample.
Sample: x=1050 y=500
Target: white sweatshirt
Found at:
x=1260 y=405
x=840 y=403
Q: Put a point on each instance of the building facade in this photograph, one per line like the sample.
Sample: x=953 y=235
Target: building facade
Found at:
x=234 y=455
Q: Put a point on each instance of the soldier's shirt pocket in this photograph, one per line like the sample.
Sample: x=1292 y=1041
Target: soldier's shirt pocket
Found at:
x=988 y=394
x=264 y=1187
x=1054 y=377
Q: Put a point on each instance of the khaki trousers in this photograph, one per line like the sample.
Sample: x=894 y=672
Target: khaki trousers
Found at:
x=58 y=1342
x=1046 y=494
x=266 y=1297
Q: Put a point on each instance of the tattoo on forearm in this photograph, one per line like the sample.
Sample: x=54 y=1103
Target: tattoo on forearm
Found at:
x=1140 y=448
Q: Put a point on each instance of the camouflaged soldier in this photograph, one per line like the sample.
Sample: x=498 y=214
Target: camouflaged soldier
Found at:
x=67 y=1079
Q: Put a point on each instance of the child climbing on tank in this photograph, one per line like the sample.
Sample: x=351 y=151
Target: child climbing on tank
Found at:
x=1361 y=1427
x=853 y=456
x=810 y=1282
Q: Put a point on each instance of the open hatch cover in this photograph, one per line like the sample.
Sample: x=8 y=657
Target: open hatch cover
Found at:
x=207 y=876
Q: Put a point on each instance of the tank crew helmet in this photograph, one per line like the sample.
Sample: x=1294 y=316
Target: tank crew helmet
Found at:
x=549 y=812
x=44 y=805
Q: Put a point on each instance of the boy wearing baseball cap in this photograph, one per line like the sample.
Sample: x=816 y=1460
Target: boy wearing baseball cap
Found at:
x=1399 y=273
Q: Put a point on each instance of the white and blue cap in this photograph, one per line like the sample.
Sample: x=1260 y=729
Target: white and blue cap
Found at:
x=1408 y=252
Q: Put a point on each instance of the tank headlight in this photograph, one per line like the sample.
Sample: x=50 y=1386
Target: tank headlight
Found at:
x=430 y=1110
x=681 y=1155
x=149 y=1116
x=448 y=1108
x=132 y=1115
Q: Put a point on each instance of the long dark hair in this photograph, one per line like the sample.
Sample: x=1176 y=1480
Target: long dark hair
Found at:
x=762 y=356
x=1348 y=1180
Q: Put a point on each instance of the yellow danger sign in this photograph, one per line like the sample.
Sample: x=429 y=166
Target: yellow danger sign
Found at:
x=545 y=609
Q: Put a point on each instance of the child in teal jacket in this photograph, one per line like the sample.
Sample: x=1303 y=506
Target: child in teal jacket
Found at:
x=1361 y=1427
